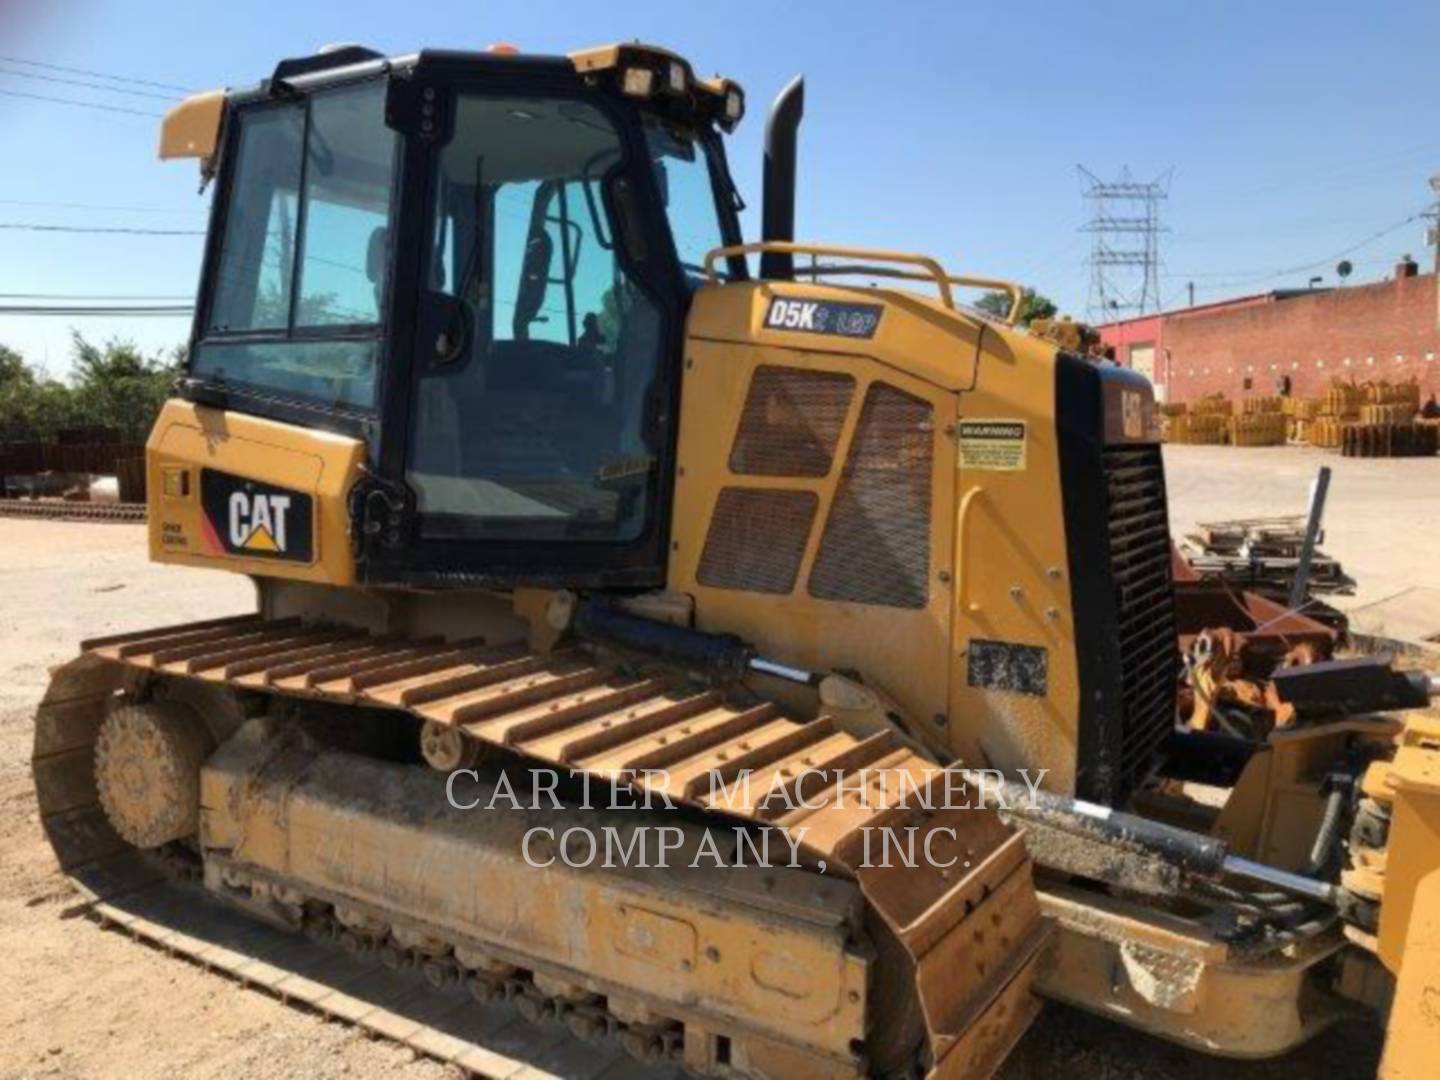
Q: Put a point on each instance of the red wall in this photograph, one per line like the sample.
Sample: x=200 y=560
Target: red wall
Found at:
x=1388 y=331
x=1144 y=331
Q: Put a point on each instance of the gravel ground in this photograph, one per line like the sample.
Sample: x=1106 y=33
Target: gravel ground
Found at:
x=77 y=1001
x=80 y=1002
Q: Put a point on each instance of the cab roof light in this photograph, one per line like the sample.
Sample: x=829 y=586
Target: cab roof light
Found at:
x=638 y=81
x=734 y=108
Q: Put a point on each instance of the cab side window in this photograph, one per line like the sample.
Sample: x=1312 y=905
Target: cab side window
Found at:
x=296 y=299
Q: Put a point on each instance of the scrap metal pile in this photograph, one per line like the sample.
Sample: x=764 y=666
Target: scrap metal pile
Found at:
x=1381 y=421
x=1261 y=552
x=1375 y=418
x=1205 y=422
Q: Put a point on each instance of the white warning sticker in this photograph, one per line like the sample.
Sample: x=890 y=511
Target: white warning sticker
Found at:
x=997 y=445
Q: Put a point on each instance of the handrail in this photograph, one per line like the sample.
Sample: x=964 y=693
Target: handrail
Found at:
x=1015 y=292
x=933 y=271
x=971 y=499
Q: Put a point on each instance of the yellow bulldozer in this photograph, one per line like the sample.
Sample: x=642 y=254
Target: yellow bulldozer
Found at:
x=667 y=659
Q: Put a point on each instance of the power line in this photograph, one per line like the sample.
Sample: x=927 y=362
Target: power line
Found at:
x=1262 y=276
x=139 y=311
x=86 y=84
x=1198 y=274
x=32 y=227
x=1341 y=175
x=86 y=296
x=97 y=206
x=96 y=74
x=80 y=104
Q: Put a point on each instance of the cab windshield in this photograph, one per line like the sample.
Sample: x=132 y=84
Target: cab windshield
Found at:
x=692 y=182
x=543 y=424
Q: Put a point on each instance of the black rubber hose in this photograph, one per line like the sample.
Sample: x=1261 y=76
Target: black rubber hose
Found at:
x=720 y=655
x=1329 y=831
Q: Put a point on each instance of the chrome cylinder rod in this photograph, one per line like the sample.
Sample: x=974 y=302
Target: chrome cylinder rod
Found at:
x=1284 y=880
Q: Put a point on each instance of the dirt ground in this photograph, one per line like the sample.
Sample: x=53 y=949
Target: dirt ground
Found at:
x=77 y=1001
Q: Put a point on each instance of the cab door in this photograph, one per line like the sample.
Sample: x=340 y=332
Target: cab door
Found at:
x=538 y=403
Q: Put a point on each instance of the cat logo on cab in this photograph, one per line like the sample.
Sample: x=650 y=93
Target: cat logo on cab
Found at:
x=247 y=517
x=257 y=523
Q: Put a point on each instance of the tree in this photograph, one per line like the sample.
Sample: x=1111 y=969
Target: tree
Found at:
x=113 y=386
x=1033 y=306
x=12 y=367
x=117 y=386
x=32 y=406
x=17 y=383
x=614 y=307
x=50 y=407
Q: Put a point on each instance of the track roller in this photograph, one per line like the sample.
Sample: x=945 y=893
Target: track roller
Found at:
x=147 y=771
x=447 y=748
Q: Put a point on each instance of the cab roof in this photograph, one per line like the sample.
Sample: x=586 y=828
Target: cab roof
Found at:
x=192 y=128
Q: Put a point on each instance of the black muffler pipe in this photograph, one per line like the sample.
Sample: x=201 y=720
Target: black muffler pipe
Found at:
x=777 y=216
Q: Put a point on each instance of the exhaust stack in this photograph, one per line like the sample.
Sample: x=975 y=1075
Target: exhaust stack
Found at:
x=778 y=212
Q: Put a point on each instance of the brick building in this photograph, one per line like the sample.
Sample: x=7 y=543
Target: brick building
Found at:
x=1388 y=330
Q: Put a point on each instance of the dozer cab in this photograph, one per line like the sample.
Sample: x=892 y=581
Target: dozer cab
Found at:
x=577 y=535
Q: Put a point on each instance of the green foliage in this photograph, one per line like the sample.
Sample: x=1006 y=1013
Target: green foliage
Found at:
x=112 y=385
x=614 y=305
x=1033 y=306
x=31 y=404
x=13 y=370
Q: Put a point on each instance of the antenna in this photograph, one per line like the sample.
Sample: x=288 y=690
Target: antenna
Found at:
x=1125 y=253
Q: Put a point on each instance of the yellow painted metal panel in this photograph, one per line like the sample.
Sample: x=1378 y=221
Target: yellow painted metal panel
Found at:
x=1012 y=570
x=1412 y=1038
x=904 y=651
x=192 y=128
x=1413 y=850
x=917 y=335
x=999 y=567
x=188 y=438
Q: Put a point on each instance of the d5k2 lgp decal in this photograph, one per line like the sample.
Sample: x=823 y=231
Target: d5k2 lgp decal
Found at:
x=256 y=520
x=823 y=317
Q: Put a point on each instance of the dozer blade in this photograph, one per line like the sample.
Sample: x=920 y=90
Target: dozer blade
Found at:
x=958 y=930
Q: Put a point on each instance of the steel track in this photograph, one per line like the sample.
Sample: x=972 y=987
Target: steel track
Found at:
x=60 y=510
x=447 y=1024
x=576 y=710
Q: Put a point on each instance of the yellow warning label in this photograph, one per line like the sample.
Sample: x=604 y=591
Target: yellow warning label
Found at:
x=997 y=445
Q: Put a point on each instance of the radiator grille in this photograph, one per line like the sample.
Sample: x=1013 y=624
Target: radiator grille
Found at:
x=757 y=539
x=876 y=545
x=791 y=422
x=1139 y=540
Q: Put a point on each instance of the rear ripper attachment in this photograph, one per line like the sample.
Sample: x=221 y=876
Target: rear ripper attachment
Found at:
x=316 y=813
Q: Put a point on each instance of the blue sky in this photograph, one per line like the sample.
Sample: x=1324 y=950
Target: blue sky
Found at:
x=1295 y=130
